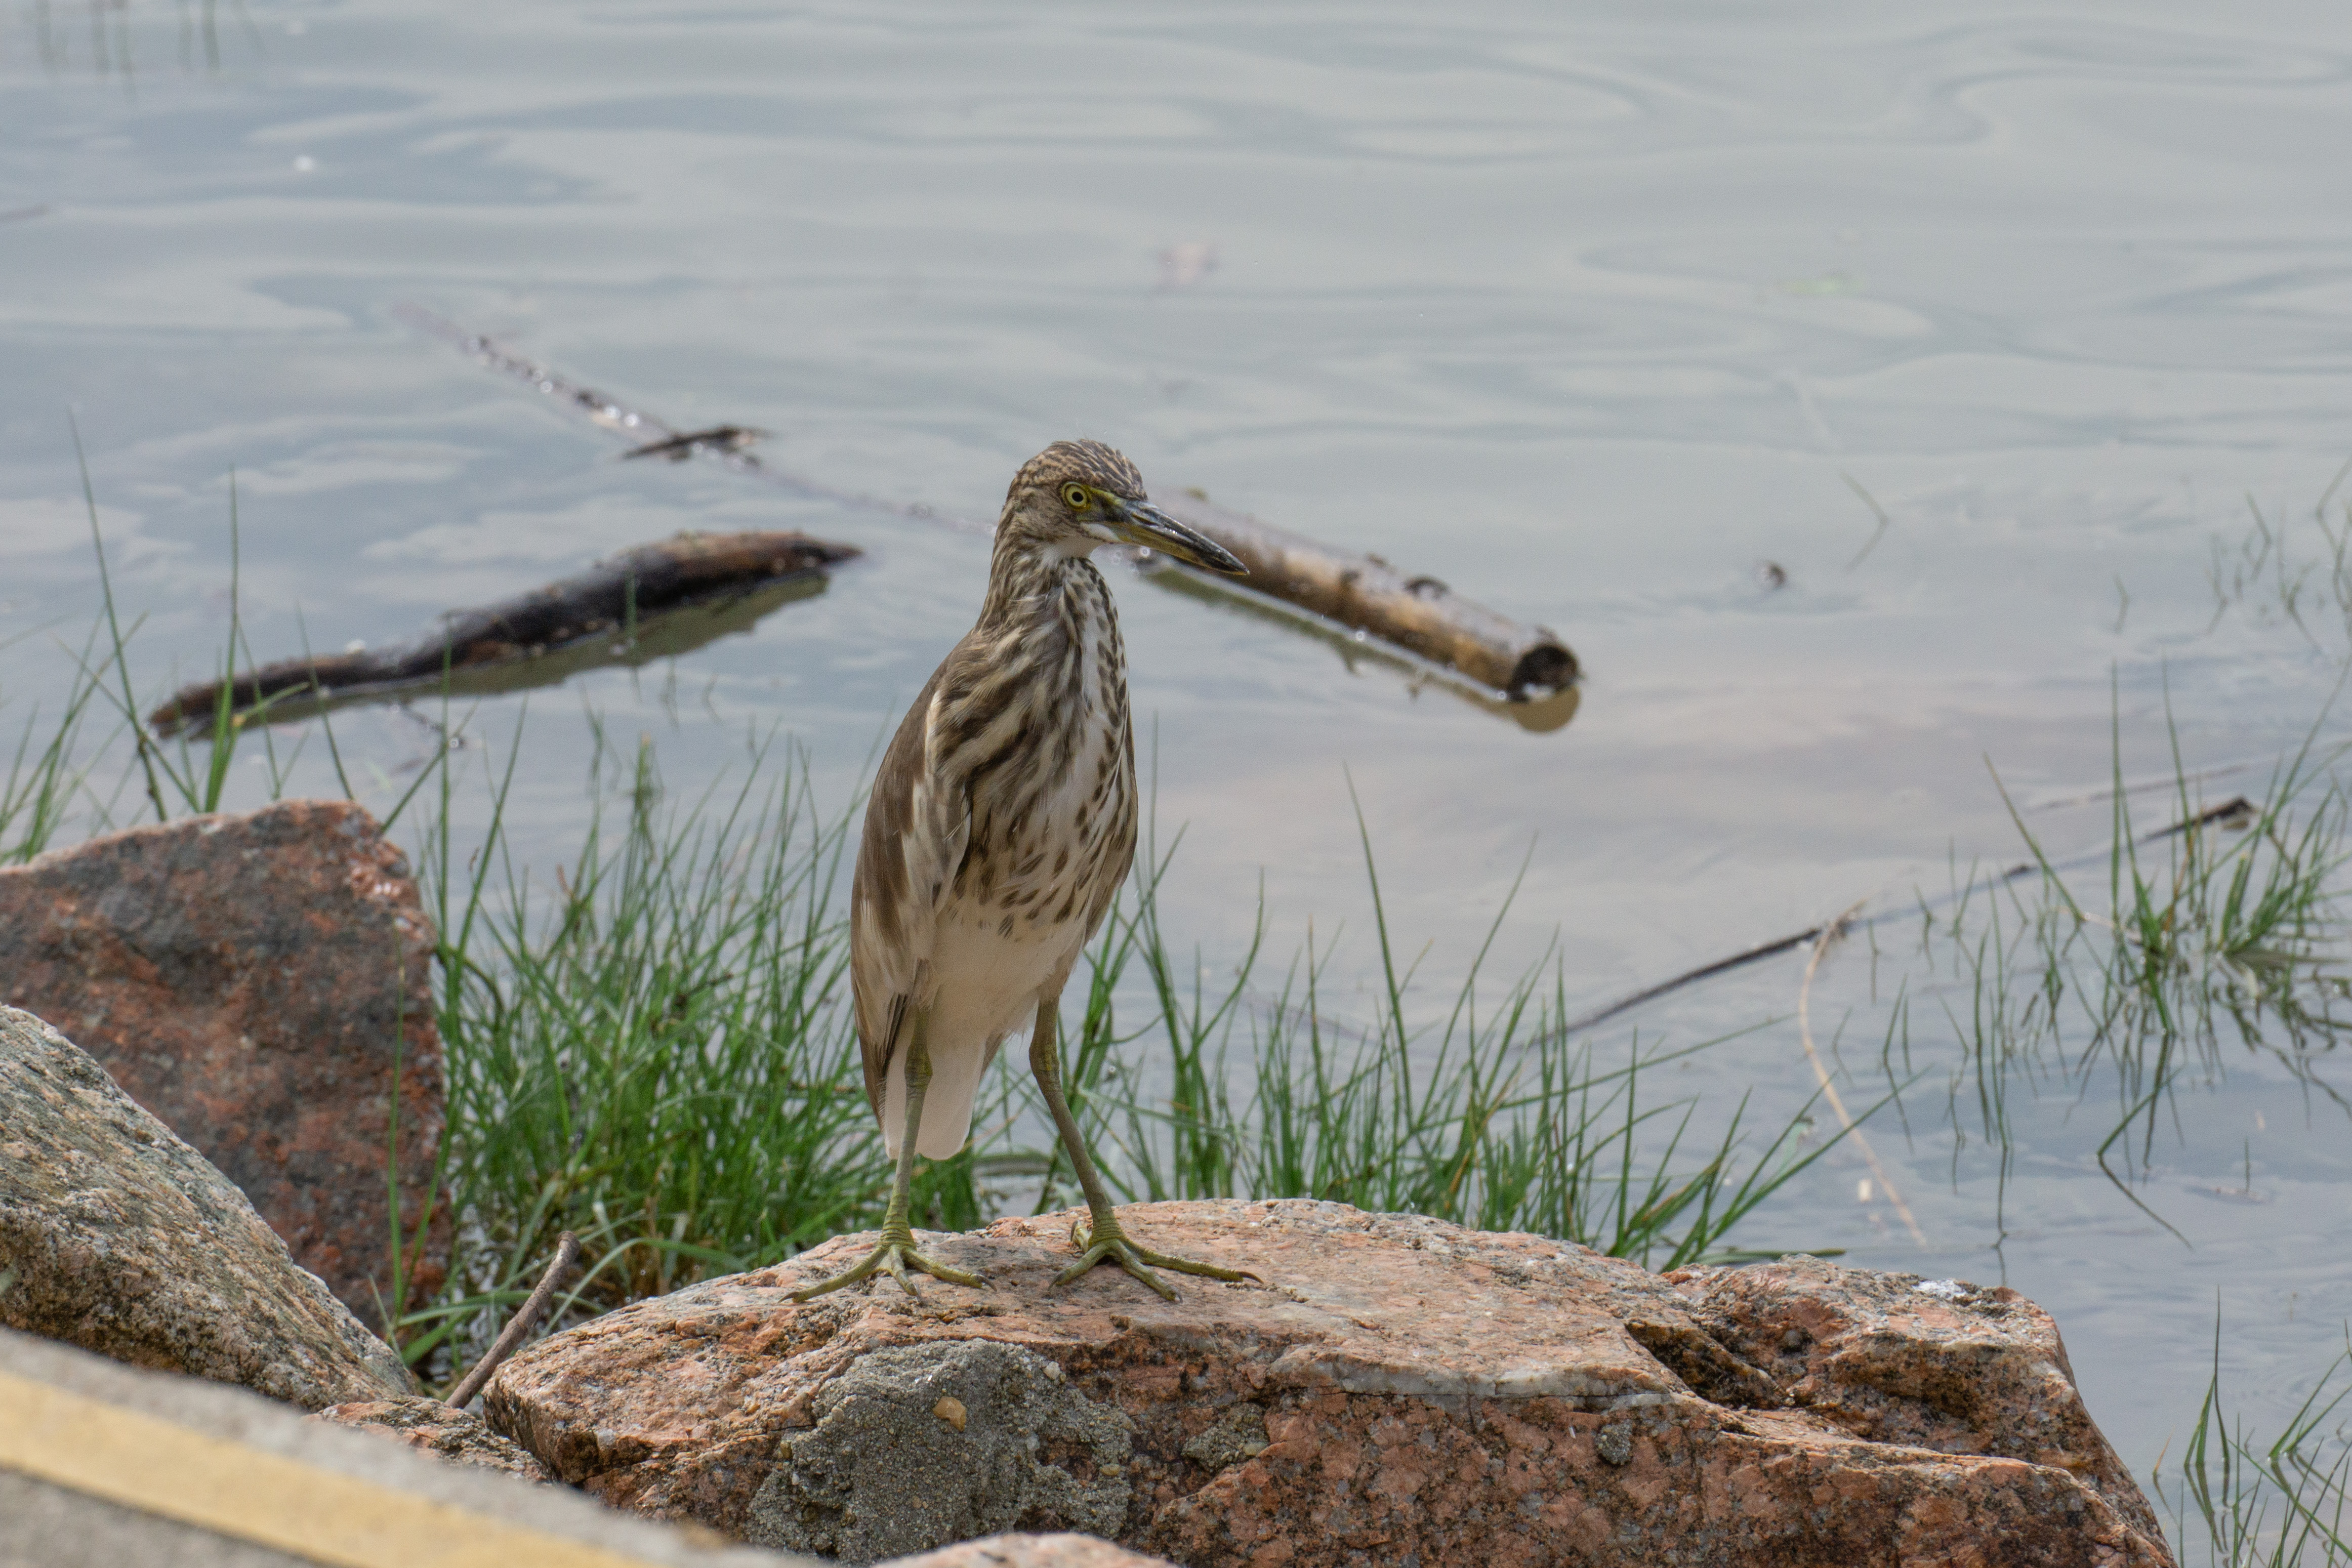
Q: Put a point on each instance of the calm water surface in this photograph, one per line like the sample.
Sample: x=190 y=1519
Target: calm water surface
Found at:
x=1598 y=315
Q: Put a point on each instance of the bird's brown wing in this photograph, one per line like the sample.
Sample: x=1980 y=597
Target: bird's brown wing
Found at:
x=915 y=835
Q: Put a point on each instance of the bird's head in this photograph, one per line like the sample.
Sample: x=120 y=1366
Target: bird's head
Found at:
x=1076 y=495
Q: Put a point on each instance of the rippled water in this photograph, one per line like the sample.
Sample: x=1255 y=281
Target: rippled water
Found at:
x=1599 y=316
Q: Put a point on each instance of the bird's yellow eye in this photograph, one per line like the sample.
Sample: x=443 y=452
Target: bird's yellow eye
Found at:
x=1075 y=495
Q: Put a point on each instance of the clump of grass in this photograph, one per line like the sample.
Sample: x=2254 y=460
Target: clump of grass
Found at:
x=46 y=786
x=2286 y=1503
x=655 y=1052
x=175 y=780
x=1494 y=1117
x=2223 y=930
x=2267 y=575
x=46 y=772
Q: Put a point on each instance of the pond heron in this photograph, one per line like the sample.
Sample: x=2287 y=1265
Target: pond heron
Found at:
x=999 y=829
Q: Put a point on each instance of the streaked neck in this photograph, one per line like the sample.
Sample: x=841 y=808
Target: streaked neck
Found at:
x=1027 y=578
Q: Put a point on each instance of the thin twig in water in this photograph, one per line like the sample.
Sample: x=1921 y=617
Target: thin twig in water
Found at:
x=2320 y=511
x=1690 y=977
x=2225 y=813
x=633 y=425
x=2169 y=784
x=567 y=1253
x=1876 y=510
x=1830 y=933
x=2235 y=812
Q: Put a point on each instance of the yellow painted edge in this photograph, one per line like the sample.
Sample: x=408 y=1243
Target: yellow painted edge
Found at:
x=152 y=1465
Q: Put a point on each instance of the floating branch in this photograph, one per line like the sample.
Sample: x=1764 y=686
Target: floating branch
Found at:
x=717 y=438
x=649 y=437
x=1363 y=593
x=1539 y=713
x=655 y=600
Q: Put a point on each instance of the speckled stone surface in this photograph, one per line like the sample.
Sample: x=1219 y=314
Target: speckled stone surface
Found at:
x=430 y=1426
x=117 y=1236
x=1402 y=1390
x=1061 y=1551
x=255 y=981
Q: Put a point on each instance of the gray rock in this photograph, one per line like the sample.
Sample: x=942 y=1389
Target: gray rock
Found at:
x=917 y=1447
x=1239 y=1434
x=428 y=1425
x=1615 y=1445
x=116 y=1485
x=117 y=1236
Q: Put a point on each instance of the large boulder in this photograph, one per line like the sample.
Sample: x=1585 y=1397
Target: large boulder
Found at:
x=261 y=984
x=1399 y=1389
x=117 y=1237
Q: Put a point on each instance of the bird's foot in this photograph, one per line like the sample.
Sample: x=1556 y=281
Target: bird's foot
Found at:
x=1109 y=1244
x=893 y=1255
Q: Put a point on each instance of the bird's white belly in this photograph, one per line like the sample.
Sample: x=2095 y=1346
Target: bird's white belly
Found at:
x=985 y=986
x=988 y=982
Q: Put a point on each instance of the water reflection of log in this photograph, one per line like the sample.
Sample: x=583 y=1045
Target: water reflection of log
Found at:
x=652 y=601
x=1363 y=594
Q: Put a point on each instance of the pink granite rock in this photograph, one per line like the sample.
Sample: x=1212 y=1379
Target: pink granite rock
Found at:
x=1400 y=1389
x=252 y=980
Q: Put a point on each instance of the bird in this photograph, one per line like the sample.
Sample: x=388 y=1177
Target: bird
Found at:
x=998 y=831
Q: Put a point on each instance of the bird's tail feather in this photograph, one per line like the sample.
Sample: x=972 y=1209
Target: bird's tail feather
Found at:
x=947 y=1104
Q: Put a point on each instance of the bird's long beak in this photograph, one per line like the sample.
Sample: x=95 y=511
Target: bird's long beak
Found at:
x=1141 y=522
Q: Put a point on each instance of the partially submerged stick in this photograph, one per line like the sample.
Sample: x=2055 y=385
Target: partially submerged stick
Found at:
x=567 y=1253
x=1538 y=712
x=613 y=599
x=1364 y=592
x=2232 y=813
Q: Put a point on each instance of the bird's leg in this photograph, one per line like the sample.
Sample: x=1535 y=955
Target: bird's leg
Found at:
x=896 y=1251
x=1104 y=1240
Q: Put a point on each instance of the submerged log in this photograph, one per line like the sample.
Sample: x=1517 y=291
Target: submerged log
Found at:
x=1363 y=593
x=619 y=598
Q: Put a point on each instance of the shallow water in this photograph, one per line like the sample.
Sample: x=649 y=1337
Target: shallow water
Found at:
x=1594 y=315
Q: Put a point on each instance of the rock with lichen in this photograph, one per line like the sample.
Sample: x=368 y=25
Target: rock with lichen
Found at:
x=432 y=1427
x=117 y=1236
x=918 y=1445
x=1399 y=1389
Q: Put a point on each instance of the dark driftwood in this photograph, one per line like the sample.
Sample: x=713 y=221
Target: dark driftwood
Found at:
x=1364 y=592
x=613 y=599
